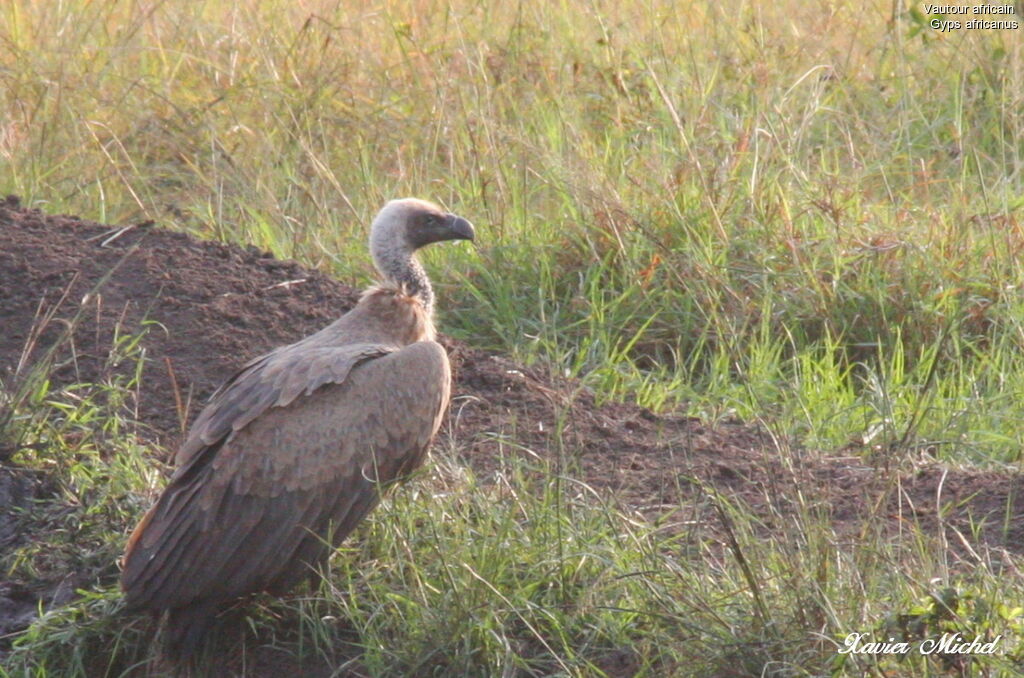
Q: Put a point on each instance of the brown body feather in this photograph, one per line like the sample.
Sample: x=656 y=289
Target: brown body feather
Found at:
x=286 y=459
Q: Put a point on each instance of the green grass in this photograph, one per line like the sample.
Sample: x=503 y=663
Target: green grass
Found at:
x=808 y=216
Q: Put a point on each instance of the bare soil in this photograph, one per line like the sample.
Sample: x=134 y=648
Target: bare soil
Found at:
x=209 y=307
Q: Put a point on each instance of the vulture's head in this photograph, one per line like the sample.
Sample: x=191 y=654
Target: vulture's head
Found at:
x=404 y=226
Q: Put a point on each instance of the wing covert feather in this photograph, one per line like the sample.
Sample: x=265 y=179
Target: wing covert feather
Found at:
x=273 y=380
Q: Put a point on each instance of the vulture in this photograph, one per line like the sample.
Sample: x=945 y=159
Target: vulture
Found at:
x=293 y=450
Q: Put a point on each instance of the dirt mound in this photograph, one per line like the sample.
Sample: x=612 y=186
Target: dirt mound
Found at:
x=212 y=306
x=215 y=305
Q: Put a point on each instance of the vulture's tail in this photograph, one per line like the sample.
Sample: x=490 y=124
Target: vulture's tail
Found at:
x=186 y=631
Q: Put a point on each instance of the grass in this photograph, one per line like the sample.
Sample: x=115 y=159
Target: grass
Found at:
x=519 y=577
x=808 y=217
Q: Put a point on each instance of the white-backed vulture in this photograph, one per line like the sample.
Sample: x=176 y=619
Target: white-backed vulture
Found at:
x=291 y=453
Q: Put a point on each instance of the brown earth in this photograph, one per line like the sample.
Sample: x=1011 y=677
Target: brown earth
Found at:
x=213 y=306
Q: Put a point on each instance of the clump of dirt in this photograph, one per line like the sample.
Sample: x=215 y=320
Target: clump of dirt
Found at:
x=213 y=306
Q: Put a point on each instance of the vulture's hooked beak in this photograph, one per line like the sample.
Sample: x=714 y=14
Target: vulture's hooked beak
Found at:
x=459 y=227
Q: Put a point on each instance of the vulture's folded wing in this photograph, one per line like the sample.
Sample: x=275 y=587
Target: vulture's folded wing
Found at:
x=272 y=380
x=258 y=506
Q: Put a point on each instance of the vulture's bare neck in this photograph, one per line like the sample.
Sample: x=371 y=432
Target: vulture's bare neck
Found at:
x=399 y=267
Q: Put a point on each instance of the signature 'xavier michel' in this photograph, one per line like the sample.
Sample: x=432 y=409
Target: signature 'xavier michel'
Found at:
x=290 y=454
